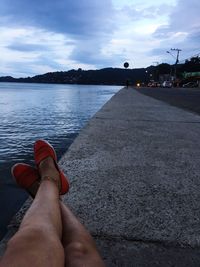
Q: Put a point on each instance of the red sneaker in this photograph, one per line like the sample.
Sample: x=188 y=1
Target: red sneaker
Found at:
x=26 y=177
x=42 y=150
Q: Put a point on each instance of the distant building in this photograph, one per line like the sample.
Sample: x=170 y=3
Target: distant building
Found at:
x=192 y=77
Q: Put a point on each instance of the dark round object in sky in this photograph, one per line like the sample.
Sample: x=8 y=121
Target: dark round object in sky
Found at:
x=126 y=65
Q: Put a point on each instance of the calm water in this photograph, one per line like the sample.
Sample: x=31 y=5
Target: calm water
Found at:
x=33 y=111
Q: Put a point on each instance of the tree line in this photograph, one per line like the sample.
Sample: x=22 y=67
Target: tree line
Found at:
x=110 y=76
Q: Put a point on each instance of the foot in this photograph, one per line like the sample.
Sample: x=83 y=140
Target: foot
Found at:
x=48 y=171
x=26 y=177
x=46 y=162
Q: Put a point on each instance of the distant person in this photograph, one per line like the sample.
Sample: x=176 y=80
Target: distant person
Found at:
x=127 y=84
x=50 y=234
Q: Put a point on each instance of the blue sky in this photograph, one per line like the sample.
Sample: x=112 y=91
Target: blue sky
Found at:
x=41 y=36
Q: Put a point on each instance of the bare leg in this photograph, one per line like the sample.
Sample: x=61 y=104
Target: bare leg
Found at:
x=38 y=241
x=80 y=248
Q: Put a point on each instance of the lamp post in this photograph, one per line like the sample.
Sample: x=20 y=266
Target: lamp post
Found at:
x=176 y=58
x=156 y=76
x=170 y=65
x=146 y=77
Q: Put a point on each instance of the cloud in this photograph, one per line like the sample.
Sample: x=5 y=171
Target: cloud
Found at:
x=158 y=51
x=163 y=32
x=184 y=24
x=194 y=37
x=181 y=31
x=89 y=18
x=185 y=16
x=88 y=24
x=30 y=48
x=148 y=12
x=26 y=47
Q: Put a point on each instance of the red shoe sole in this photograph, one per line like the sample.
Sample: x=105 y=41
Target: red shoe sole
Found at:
x=42 y=150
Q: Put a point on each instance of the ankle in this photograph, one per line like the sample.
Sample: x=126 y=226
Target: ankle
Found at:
x=47 y=167
x=53 y=180
x=47 y=163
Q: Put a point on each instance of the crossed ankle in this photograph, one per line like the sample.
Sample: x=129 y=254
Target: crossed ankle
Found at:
x=52 y=179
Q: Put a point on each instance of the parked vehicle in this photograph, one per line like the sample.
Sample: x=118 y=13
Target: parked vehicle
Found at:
x=190 y=85
x=153 y=84
x=167 y=84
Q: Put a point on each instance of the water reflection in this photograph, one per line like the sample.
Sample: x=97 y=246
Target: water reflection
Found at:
x=32 y=111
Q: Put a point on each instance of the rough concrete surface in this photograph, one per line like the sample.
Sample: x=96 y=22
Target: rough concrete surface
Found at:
x=135 y=182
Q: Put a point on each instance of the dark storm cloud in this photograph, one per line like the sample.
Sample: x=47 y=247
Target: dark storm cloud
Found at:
x=82 y=18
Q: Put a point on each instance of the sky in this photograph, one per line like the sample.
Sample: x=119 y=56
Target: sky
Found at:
x=58 y=35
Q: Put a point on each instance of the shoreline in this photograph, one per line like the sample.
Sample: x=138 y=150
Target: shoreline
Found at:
x=88 y=84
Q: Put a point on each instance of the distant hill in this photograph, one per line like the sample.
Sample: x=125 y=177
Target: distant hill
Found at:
x=7 y=79
x=108 y=76
x=111 y=76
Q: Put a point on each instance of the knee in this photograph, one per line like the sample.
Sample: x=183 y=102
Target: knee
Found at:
x=34 y=243
x=76 y=248
x=79 y=254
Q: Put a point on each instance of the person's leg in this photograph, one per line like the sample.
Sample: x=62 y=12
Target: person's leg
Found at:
x=79 y=246
x=38 y=240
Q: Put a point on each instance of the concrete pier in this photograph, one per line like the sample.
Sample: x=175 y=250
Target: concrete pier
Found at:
x=135 y=182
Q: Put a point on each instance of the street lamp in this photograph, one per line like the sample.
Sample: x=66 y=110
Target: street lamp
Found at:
x=146 y=79
x=170 y=64
x=171 y=54
x=177 y=58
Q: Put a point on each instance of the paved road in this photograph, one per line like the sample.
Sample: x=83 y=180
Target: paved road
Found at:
x=135 y=182
x=135 y=176
x=186 y=98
